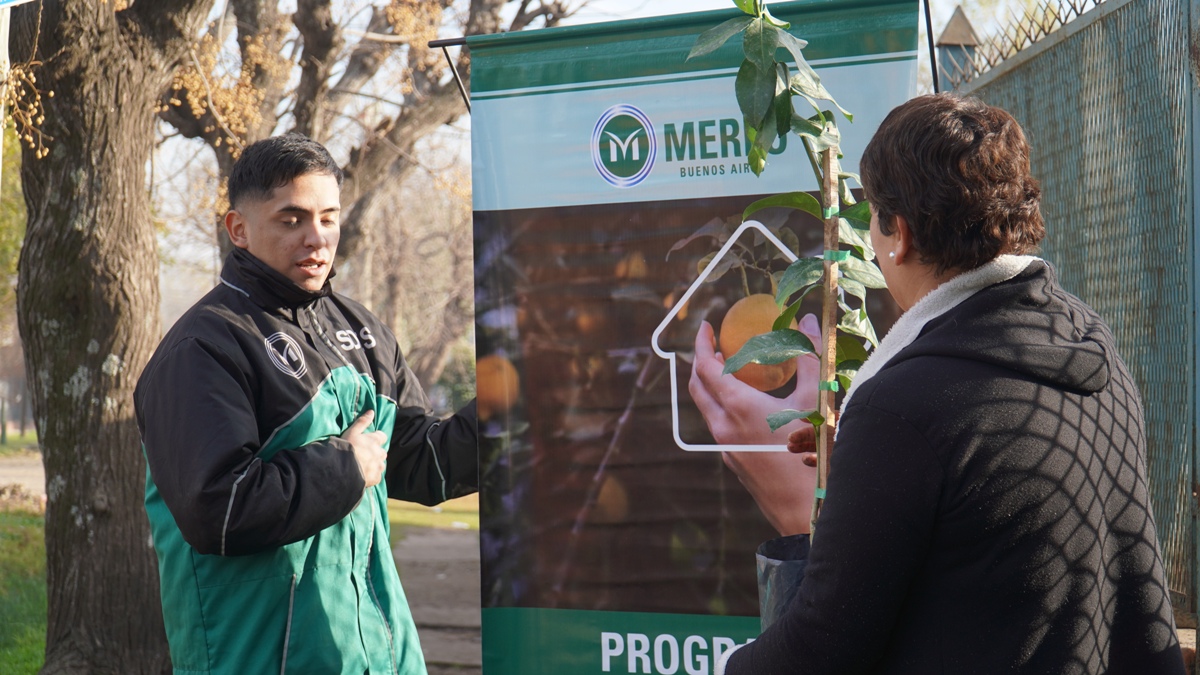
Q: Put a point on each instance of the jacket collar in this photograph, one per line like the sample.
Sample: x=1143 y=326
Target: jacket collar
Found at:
x=936 y=303
x=264 y=286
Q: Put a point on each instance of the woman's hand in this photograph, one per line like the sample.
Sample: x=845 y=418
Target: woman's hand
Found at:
x=735 y=412
x=781 y=484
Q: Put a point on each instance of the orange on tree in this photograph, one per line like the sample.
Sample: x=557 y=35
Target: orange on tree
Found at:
x=497 y=385
x=612 y=502
x=754 y=315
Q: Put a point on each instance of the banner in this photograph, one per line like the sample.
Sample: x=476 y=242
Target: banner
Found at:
x=609 y=178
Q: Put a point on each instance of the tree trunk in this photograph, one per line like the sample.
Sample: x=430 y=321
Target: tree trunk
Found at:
x=89 y=316
x=24 y=405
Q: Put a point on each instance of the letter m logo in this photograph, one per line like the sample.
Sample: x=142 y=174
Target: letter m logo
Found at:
x=626 y=147
x=623 y=146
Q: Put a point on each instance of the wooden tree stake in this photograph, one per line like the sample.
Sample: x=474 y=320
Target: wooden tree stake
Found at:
x=830 y=202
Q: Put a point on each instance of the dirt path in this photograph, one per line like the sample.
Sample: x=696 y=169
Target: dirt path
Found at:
x=24 y=469
x=440 y=573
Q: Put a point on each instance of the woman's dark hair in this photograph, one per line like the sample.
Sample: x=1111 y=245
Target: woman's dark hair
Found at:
x=275 y=162
x=957 y=169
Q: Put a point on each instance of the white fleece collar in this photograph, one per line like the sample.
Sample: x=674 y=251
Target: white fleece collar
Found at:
x=936 y=303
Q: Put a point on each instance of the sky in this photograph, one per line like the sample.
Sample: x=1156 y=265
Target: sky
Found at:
x=611 y=10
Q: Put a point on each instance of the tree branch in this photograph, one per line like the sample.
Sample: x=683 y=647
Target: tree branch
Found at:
x=167 y=21
x=322 y=38
x=365 y=61
x=261 y=31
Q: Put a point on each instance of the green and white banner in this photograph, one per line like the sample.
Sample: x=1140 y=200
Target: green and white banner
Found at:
x=610 y=174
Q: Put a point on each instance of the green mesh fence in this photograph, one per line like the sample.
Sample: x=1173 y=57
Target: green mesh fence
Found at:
x=1107 y=108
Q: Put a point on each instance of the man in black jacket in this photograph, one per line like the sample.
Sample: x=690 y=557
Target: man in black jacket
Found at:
x=277 y=417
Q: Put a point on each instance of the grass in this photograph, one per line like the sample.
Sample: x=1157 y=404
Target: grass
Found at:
x=18 y=444
x=22 y=592
x=458 y=514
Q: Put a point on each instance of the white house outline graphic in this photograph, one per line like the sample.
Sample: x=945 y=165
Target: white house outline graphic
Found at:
x=670 y=356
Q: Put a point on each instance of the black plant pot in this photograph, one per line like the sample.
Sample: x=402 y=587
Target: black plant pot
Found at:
x=781 y=564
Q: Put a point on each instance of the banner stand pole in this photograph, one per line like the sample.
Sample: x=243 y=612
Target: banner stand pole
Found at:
x=453 y=42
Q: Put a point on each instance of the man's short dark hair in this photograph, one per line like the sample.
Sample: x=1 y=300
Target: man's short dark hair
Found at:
x=275 y=162
x=957 y=169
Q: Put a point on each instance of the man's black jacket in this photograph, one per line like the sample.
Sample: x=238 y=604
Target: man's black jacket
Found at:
x=242 y=373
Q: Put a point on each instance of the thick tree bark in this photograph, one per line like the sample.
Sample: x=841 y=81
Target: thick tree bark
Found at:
x=88 y=313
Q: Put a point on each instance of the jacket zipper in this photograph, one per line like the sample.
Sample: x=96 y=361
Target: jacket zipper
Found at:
x=287 y=633
x=312 y=317
x=374 y=598
x=371 y=532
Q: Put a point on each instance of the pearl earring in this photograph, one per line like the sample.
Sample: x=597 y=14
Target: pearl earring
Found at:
x=892 y=255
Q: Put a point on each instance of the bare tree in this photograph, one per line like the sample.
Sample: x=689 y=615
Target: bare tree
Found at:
x=88 y=312
x=229 y=109
x=424 y=281
x=367 y=82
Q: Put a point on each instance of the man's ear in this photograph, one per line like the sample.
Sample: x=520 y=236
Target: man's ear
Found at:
x=235 y=225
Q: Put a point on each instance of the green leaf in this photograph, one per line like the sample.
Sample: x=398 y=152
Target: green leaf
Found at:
x=785 y=320
x=804 y=272
x=807 y=83
x=846 y=175
x=803 y=125
x=712 y=39
x=783 y=101
x=856 y=238
x=755 y=89
x=856 y=322
x=711 y=229
x=727 y=263
x=853 y=287
x=846 y=372
x=757 y=158
x=863 y=271
x=849 y=367
x=748 y=6
x=860 y=213
x=844 y=192
x=792 y=200
x=780 y=419
x=760 y=43
x=768 y=132
x=823 y=133
x=793 y=44
x=850 y=349
x=770 y=348
x=789 y=240
x=778 y=23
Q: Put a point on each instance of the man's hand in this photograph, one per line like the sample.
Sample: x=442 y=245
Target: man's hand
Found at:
x=803 y=442
x=368 y=448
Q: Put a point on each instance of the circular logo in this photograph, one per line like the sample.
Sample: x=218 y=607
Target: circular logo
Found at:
x=624 y=146
x=286 y=355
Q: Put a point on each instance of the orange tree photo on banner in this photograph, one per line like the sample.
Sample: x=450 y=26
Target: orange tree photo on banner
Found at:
x=616 y=280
